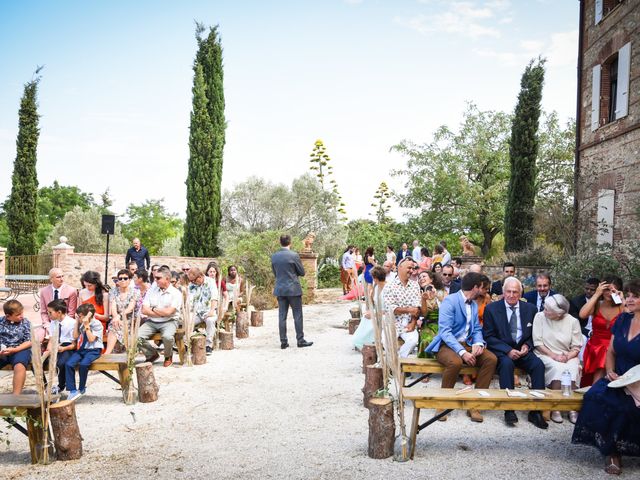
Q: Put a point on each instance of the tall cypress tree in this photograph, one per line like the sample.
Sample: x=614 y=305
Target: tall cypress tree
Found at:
x=22 y=207
x=206 y=143
x=523 y=150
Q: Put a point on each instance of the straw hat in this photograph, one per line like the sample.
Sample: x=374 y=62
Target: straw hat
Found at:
x=631 y=376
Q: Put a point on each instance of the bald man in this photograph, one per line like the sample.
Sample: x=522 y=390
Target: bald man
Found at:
x=56 y=289
x=139 y=254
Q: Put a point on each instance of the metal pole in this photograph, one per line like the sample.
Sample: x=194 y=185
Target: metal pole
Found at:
x=106 y=264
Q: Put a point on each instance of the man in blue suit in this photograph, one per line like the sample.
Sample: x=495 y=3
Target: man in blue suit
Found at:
x=403 y=253
x=542 y=291
x=459 y=340
x=287 y=267
x=507 y=329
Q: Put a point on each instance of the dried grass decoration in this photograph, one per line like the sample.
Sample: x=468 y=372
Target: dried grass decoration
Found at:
x=402 y=450
x=44 y=450
x=187 y=322
x=130 y=341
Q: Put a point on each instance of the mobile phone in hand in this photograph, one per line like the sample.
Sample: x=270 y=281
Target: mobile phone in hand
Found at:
x=616 y=299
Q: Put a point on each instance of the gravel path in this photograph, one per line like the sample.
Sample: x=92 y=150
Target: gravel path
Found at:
x=259 y=412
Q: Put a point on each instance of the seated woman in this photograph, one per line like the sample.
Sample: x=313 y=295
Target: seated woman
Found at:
x=94 y=293
x=436 y=267
x=604 y=311
x=365 y=332
x=122 y=307
x=432 y=294
x=557 y=340
x=610 y=417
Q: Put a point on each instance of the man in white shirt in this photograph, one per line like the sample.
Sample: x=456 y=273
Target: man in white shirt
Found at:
x=161 y=306
x=446 y=256
x=388 y=270
x=416 y=253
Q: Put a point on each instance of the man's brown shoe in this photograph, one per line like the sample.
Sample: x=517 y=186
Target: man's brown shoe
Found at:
x=475 y=416
x=167 y=362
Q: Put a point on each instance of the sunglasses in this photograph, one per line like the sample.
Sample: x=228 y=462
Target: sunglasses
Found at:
x=447 y=274
x=186 y=269
x=416 y=267
x=123 y=279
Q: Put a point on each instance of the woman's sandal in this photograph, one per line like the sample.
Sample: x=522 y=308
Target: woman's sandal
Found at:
x=611 y=467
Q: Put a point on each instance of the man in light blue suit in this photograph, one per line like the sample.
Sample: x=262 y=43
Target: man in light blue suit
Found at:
x=459 y=340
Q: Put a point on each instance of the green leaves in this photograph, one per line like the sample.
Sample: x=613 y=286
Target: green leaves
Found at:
x=152 y=224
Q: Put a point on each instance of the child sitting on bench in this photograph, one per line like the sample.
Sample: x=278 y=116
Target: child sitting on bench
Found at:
x=88 y=337
x=15 y=342
x=66 y=326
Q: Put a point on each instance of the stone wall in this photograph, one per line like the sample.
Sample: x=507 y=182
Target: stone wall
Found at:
x=608 y=158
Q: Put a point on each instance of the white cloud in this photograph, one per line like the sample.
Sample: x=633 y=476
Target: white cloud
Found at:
x=468 y=18
x=563 y=50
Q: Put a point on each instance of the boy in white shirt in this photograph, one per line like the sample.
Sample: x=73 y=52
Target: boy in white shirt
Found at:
x=65 y=324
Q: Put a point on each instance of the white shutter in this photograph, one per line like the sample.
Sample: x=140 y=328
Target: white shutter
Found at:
x=622 y=96
x=606 y=206
x=598 y=11
x=595 y=99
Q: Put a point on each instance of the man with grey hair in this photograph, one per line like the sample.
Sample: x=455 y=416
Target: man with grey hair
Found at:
x=389 y=271
x=161 y=307
x=507 y=329
x=56 y=290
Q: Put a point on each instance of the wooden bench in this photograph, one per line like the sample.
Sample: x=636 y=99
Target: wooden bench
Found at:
x=28 y=406
x=179 y=345
x=449 y=399
x=428 y=366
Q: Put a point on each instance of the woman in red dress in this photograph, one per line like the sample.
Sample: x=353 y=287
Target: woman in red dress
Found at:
x=604 y=310
x=95 y=293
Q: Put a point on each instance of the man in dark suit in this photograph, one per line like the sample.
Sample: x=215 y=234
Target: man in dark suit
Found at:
x=542 y=291
x=576 y=304
x=450 y=285
x=507 y=328
x=287 y=267
x=508 y=270
x=403 y=253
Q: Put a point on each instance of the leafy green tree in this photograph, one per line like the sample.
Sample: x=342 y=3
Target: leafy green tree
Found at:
x=22 y=212
x=82 y=227
x=152 y=224
x=458 y=181
x=206 y=147
x=523 y=151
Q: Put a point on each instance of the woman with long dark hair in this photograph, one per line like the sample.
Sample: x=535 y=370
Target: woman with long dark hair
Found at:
x=94 y=292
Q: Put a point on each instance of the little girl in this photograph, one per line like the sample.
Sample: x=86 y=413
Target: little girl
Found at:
x=66 y=325
x=88 y=336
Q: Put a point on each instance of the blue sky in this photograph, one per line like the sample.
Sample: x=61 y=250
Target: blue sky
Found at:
x=361 y=75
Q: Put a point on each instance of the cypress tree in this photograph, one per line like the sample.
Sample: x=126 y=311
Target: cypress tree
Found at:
x=22 y=207
x=206 y=143
x=523 y=150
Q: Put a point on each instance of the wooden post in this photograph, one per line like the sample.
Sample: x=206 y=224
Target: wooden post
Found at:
x=64 y=423
x=353 y=325
x=372 y=383
x=381 y=428
x=199 y=350
x=147 y=386
x=369 y=356
x=226 y=340
x=256 y=319
x=242 y=325
x=355 y=312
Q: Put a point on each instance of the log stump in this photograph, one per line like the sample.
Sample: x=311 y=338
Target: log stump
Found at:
x=256 y=318
x=369 y=356
x=353 y=325
x=355 y=312
x=372 y=383
x=198 y=349
x=147 y=386
x=226 y=340
x=66 y=433
x=242 y=325
x=382 y=428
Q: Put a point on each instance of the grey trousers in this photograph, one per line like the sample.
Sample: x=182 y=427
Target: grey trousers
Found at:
x=283 y=310
x=166 y=329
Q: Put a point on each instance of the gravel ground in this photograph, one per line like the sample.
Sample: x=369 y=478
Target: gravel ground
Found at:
x=260 y=412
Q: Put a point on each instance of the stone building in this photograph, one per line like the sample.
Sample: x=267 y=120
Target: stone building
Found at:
x=608 y=121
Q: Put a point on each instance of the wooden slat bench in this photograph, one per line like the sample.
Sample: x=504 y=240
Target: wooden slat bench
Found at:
x=427 y=366
x=446 y=399
x=28 y=406
x=179 y=345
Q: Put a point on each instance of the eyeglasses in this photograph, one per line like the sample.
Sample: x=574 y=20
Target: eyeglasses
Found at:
x=123 y=279
x=416 y=267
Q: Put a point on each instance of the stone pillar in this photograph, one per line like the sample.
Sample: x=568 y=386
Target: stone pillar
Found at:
x=3 y=265
x=62 y=260
x=310 y=264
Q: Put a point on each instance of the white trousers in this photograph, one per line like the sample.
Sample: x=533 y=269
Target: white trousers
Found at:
x=410 y=343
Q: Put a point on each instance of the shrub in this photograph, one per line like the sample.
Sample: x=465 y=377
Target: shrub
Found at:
x=329 y=274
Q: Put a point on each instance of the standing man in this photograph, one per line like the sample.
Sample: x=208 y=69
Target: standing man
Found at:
x=507 y=329
x=542 y=291
x=139 y=254
x=459 y=340
x=347 y=269
x=287 y=267
x=57 y=290
x=416 y=253
x=402 y=253
x=446 y=256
